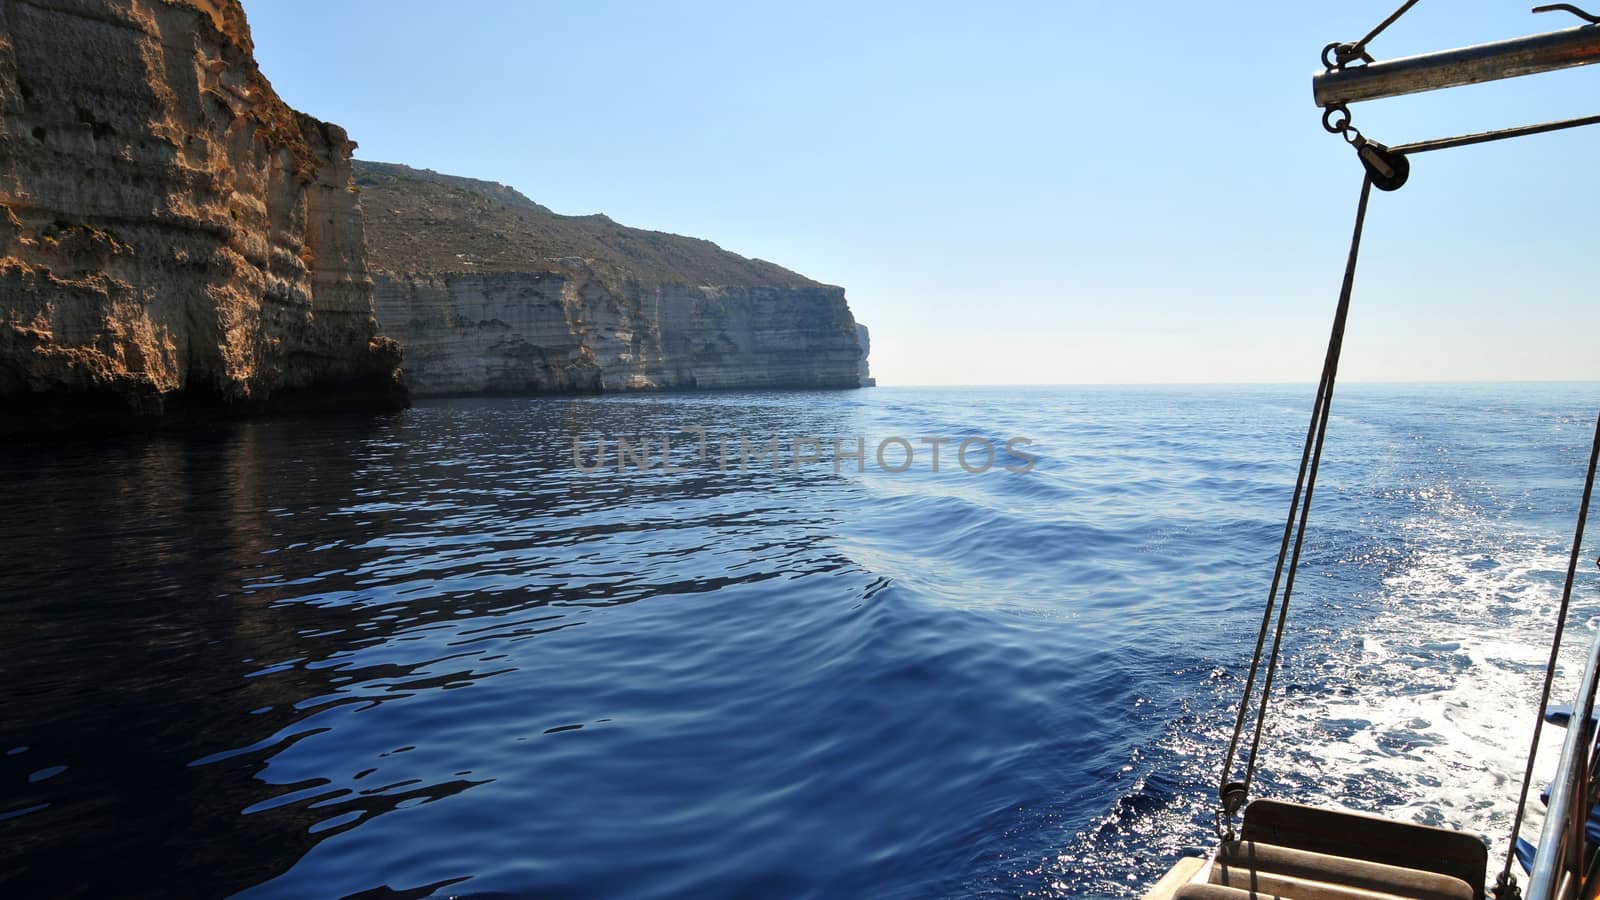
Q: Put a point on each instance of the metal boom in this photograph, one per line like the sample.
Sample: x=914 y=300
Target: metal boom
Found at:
x=1451 y=68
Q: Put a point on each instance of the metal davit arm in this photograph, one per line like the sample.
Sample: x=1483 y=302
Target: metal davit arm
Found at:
x=1342 y=84
x=1453 y=68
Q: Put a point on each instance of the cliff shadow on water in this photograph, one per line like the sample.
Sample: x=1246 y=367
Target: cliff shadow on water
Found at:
x=251 y=591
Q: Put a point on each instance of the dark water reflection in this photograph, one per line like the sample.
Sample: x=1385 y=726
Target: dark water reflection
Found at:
x=187 y=613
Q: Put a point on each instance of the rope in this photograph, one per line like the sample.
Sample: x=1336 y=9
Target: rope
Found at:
x=1232 y=794
x=1504 y=886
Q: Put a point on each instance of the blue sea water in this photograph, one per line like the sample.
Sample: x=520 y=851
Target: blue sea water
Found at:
x=423 y=654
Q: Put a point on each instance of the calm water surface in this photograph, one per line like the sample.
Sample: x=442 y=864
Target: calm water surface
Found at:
x=422 y=654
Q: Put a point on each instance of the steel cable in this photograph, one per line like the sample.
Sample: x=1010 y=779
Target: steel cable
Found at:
x=1230 y=793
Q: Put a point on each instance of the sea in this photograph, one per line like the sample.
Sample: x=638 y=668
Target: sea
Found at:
x=496 y=648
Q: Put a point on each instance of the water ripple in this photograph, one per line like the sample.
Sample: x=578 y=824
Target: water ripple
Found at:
x=423 y=654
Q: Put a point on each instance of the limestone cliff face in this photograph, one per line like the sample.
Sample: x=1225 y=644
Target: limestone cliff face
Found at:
x=489 y=292
x=864 y=338
x=172 y=236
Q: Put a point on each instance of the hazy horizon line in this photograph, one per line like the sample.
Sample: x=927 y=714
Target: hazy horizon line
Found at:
x=1370 y=381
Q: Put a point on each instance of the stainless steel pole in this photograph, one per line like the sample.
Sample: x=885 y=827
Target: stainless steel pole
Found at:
x=1550 y=860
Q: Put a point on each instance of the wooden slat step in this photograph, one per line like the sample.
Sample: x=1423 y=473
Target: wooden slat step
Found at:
x=1355 y=836
x=1270 y=884
x=1218 y=892
x=1246 y=864
x=1279 y=887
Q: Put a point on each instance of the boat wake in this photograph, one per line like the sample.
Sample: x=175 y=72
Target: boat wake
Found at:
x=1409 y=689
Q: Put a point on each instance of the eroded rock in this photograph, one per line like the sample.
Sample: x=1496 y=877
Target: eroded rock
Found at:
x=173 y=238
x=490 y=292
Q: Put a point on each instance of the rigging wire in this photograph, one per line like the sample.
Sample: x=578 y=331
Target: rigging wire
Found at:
x=1484 y=137
x=1344 y=54
x=1387 y=169
x=1232 y=794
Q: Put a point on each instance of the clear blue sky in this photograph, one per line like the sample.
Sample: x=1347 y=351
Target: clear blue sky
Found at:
x=1030 y=192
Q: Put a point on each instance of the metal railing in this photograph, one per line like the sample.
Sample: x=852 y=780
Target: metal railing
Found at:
x=1559 y=860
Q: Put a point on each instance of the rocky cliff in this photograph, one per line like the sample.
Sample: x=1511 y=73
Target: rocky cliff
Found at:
x=489 y=292
x=172 y=236
x=864 y=338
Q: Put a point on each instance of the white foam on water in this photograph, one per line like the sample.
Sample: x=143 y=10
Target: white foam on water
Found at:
x=1415 y=655
x=1427 y=715
x=1420 y=711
